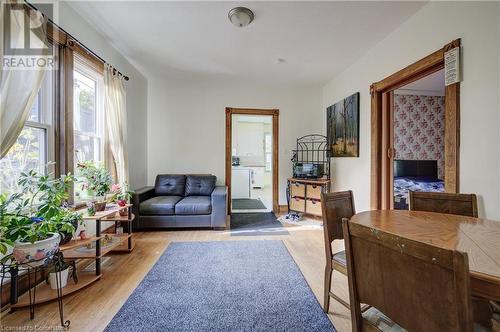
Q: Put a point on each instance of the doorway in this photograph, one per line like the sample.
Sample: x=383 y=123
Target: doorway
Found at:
x=383 y=155
x=418 y=113
x=252 y=160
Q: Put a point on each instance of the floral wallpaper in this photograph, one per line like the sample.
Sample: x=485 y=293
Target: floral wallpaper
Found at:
x=419 y=128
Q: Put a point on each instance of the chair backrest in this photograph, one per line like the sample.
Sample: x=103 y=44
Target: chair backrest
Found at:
x=418 y=286
x=460 y=204
x=335 y=206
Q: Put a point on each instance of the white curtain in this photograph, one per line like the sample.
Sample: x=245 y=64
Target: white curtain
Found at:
x=18 y=86
x=116 y=120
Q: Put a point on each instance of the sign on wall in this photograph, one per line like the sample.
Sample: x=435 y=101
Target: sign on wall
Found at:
x=452 y=66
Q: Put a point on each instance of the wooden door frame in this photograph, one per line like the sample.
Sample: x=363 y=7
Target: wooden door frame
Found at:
x=381 y=111
x=229 y=130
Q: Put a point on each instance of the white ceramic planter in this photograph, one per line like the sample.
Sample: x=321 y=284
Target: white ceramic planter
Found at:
x=36 y=253
x=63 y=278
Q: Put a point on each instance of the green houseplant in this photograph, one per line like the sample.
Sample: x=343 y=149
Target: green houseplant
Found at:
x=35 y=220
x=98 y=180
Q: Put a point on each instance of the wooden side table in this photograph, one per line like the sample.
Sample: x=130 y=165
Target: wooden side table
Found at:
x=126 y=220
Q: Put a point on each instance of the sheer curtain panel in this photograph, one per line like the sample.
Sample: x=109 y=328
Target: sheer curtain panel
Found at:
x=19 y=84
x=116 y=120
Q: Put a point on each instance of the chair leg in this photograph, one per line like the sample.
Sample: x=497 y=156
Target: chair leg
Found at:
x=328 y=285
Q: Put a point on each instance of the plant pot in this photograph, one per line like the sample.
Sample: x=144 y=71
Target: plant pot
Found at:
x=122 y=203
x=100 y=206
x=63 y=278
x=66 y=237
x=36 y=253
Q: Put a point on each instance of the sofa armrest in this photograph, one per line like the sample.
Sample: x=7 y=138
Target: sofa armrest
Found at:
x=140 y=195
x=219 y=207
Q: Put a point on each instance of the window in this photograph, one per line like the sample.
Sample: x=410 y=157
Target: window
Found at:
x=34 y=146
x=88 y=117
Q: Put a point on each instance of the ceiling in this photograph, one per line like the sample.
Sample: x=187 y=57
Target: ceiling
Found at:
x=317 y=40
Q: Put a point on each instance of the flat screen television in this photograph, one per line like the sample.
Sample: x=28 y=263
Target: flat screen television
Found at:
x=308 y=171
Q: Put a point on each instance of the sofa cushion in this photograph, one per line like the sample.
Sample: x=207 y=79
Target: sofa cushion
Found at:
x=170 y=185
x=194 y=205
x=159 y=205
x=200 y=185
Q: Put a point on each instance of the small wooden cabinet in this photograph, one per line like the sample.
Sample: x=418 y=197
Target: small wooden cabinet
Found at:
x=304 y=195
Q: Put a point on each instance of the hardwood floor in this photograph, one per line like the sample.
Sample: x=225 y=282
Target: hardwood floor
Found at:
x=92 y=308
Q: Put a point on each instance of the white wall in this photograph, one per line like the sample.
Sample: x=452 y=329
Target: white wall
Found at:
x=436 y=24
x=186 y=123
x=248 y=142
x=498 y=92
x=136 y=89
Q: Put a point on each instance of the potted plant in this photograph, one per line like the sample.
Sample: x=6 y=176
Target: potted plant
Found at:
x=97 y=179
x=61 y=267
x=121 y=195
x=32 y=221
x=72 y=218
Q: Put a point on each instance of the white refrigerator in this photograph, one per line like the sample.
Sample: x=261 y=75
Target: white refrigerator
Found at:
x=240 y=182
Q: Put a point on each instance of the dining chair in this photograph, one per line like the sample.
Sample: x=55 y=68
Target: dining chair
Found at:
x=409 y=285
x=335 y=206
x=460 y=204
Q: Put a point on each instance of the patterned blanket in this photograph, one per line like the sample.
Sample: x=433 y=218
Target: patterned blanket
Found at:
x=404 y=184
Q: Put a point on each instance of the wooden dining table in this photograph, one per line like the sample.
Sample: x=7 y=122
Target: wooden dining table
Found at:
x=479 y=238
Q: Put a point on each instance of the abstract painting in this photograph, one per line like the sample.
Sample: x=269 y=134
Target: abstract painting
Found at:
x=342 y=127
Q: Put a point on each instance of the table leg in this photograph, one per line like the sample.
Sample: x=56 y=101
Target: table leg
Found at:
x=64 y=324
x=129 y=228
x=14 y=278
x=98 y=247
x=288 y=196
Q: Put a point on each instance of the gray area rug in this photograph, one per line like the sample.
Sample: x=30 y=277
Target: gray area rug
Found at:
x=248 y=204
x=256 y=224
x=223 y=286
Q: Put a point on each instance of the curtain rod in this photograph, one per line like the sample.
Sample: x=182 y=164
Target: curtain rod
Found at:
x=125 y=77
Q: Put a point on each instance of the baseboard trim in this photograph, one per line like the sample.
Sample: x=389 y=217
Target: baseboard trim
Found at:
x=283 y=209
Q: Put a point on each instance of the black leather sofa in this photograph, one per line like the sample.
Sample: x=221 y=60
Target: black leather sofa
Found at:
x=178 y=201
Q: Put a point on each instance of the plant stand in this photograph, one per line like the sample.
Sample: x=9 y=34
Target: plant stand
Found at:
x=75 y=250
x=12 y=269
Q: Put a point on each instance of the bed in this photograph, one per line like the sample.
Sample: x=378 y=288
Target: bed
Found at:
x=414 y=175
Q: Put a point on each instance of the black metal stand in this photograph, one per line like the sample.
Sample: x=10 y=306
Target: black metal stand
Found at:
x=11 y=269
x=311 y=149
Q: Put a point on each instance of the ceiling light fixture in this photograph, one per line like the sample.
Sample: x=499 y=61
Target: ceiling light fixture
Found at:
x=240 y=16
